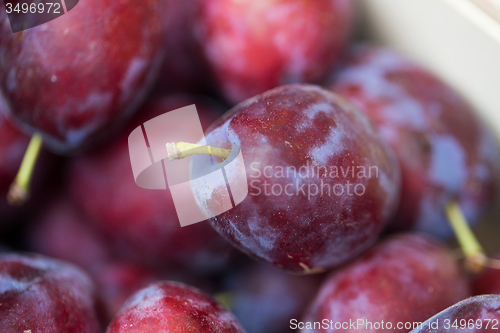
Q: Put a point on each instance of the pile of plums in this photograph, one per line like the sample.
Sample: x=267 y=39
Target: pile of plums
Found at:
x=352 y=156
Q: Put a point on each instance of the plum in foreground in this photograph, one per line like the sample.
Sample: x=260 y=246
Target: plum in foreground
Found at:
x=173 y=307
x=322 y=185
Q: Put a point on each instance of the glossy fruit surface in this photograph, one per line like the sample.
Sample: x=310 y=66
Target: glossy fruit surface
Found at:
x=140 y=224
x=80 y=75
x=38 y=294
x=173 y=307
x=255 y=45
x=321 y=184
x=480 y=314
x=444 y=150
x=404 y=279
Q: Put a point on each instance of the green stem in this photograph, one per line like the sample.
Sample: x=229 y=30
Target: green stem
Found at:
x=473 y=251
x=19 y=190
x=226 y=298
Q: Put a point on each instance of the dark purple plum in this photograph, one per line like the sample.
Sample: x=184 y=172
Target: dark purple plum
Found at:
x=79 y=76
x=321 y=183
x=479 y=314
x=173 y=307
x=140 y=224
x=404 y=279
x=445 y=151
x=42 y=295
x=254 y=45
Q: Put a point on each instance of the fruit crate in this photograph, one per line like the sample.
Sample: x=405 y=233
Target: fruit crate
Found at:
x=459 y=40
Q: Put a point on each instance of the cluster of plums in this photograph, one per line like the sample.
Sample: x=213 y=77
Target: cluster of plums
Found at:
x=352 y=155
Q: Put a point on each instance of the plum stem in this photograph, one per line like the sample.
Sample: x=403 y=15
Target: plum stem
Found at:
x=180 y=150
x=19 y=189
x=475 y=259
x=226 y=298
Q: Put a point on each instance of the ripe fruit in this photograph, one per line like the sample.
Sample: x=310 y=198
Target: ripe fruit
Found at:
x=264 y=298
x=141 y=224
x=173 y=307
x=473 y=315
x=445 y=152
x=306 y=152
x=254 y=45
x=403 y=279
x=76 y=78
x=38 y=294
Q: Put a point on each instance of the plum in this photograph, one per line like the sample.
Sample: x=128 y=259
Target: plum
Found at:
x=473 y=315
x=77 y=78
x=254 y=45
x=321 y=183
x=445 y=151
x=404 y=279
x=39 y=294
x=173 y=307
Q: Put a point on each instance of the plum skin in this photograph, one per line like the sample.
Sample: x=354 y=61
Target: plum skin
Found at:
x=299 y=125
x=255 y=45
x=39 y=294
x=76 y=81
x=173 y=307
x=405 y=278
x=482 y=313
x=446 y=153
